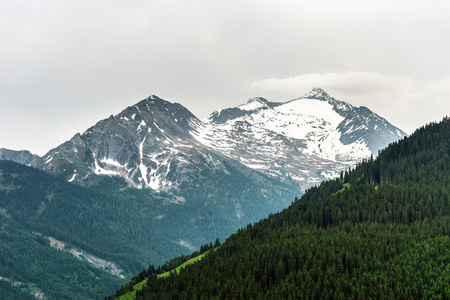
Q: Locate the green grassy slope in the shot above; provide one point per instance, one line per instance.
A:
(132, 293)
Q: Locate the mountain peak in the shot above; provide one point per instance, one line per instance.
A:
(318, 93)
(257, 99)
(151, 99)
(153, 104)
(255, 103)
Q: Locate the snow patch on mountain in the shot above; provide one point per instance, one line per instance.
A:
(142, 124)
(73, 177)
(103, 171)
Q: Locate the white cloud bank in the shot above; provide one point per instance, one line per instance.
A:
(404, 101)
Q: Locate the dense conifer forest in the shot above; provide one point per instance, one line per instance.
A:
(381, 230)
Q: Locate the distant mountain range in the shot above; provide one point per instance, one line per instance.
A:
(161, 145)
(23, 157)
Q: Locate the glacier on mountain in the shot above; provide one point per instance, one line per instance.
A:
(301, 139)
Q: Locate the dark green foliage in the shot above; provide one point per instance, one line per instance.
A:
(385, 234)
(28, 261)
(9, 291)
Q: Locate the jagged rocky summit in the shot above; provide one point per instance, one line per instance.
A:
(161, 145)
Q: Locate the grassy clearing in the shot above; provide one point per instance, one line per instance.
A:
(189, 262)
(346, 186)
(132, 294)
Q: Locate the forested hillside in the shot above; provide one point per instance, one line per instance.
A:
(30, 268)
(127, 227)
(381, 230)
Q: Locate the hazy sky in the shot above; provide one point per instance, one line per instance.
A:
(64, 65)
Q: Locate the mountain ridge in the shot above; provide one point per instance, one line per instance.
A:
(151, 143)
(312, 135)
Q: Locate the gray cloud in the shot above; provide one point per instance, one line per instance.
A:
(67, 64)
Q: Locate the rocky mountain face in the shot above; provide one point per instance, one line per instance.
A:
(23, 157)
(148, 144)
(161, 145)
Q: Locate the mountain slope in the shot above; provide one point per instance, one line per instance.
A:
(380, 231)
(196, 194)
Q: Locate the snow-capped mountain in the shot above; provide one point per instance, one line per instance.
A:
(309, 139)
(161, 145)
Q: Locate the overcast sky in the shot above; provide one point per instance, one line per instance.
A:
(64, 65)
